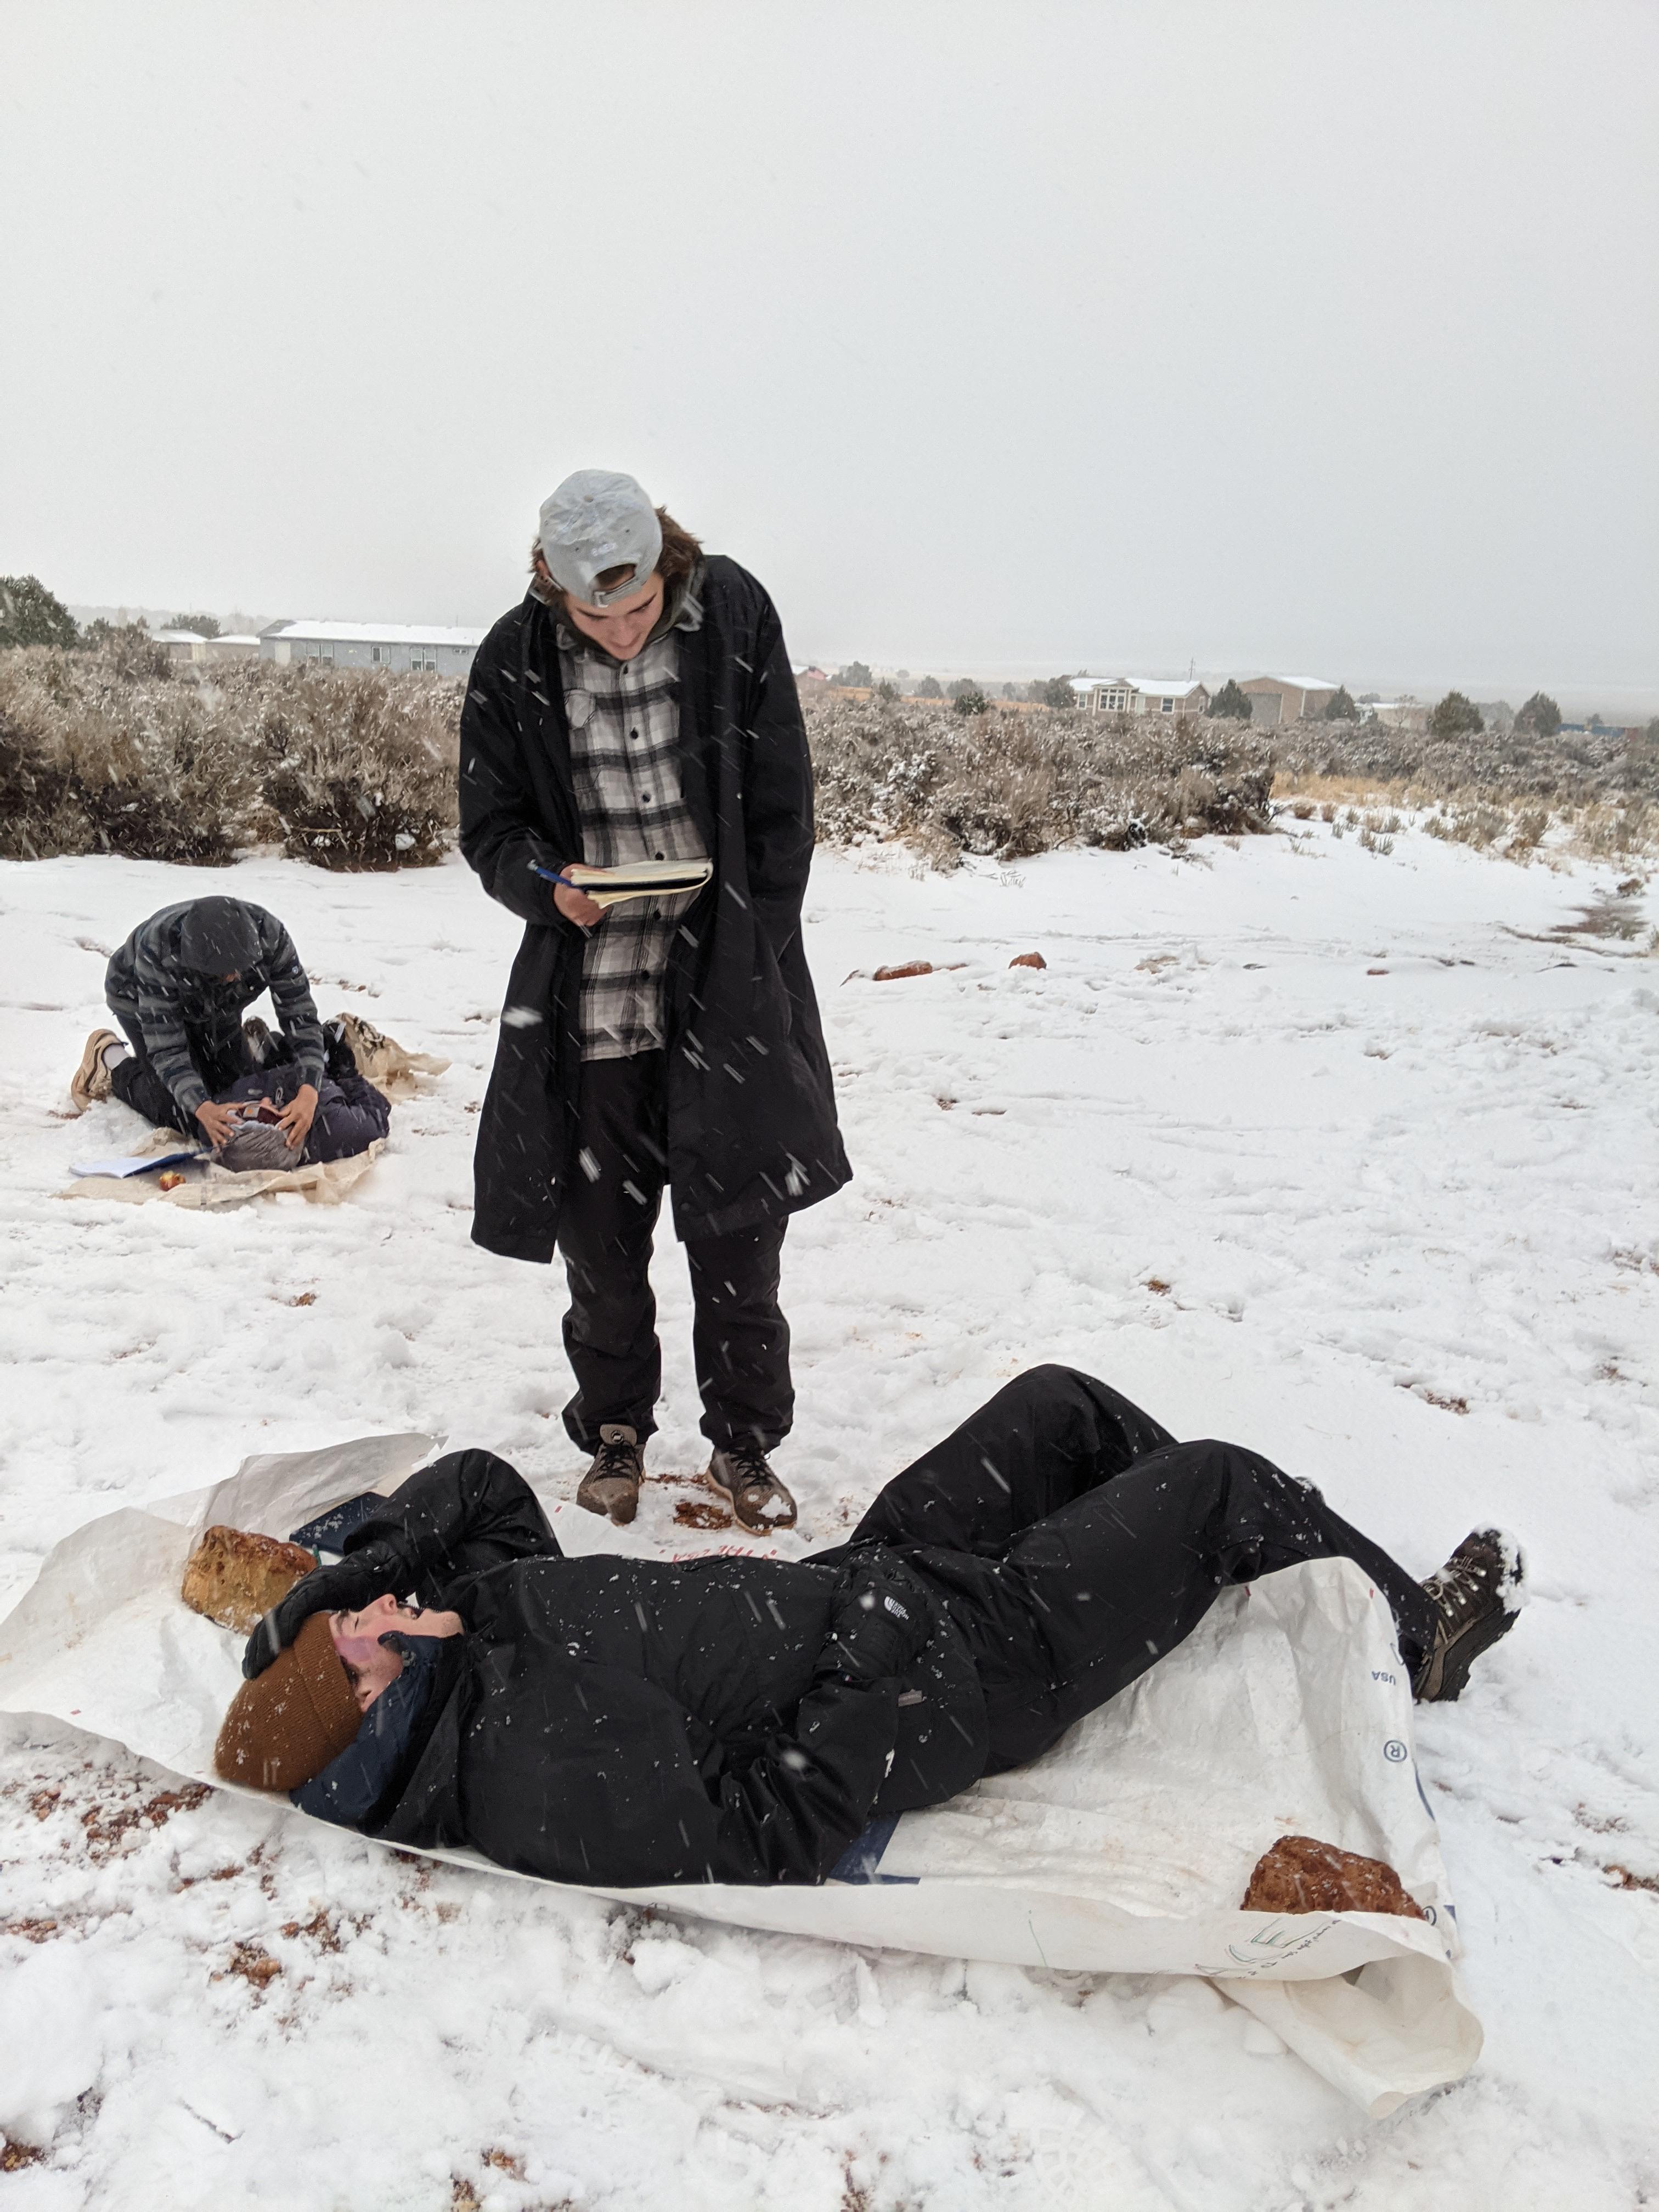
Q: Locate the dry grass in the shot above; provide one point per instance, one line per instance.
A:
(1594, 795)
(120, 751)
(1011, 784)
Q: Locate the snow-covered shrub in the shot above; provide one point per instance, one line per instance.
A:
(139, 766)
(119, 751)
(357, 766)
(1014, 784)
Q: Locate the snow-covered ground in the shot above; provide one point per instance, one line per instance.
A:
(1346, 1155)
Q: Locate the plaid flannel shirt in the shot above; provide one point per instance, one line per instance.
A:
(625, 720)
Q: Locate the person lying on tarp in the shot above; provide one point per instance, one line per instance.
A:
(623, 1722)
(350, 1114)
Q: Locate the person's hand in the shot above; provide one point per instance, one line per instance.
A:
(377, 1570)
(295, 1117)
(881, 1624)
(576, 906)
(217, 1121)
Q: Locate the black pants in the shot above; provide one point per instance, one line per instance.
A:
(218, 1055)
(739, 1338)
(1076, 1542)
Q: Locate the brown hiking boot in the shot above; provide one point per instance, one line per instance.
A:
(757, 1498)
(1476, 1598)
(611, 1483)
(90, 1082)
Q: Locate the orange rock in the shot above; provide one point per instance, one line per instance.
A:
(235, 1576)
(1301, 1875)
(1028, 960)
(909, 967)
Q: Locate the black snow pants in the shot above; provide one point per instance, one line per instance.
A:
(607, 1220)
(1075, 1543)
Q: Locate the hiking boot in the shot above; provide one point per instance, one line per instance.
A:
(756, 1496)
(1476, 1596)
(260, 1044)
(90, 1084)
(611, 1483)
(338, 1058)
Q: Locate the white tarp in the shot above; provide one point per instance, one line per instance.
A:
(1126, 1850)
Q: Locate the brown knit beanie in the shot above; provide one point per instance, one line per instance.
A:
(285, 1726)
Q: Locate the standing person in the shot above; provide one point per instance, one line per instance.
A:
(638, 705)
(178, 987)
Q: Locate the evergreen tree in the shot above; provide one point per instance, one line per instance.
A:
(203, 625)
(1455, 716)
(970, 699)
(930, 688)
(31, 615)
(1057, 692)
(1340, 707)
(1231, 701)
(1540, 715)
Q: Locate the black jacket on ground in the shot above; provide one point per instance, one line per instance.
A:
(751, 1113)
(629, 1722)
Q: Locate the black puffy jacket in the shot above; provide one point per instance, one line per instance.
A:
(751, 1110)
(630, 1723)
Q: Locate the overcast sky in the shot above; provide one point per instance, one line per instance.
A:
(1006, 338)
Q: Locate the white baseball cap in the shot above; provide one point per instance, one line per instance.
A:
(597, 520)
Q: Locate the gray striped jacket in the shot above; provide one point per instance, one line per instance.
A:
(146, 982)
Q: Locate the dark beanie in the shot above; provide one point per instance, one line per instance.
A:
(217, 938)
(286, 1725)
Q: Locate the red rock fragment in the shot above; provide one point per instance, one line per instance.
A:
(1301, 1875)
(1028, 960)
(909, 967)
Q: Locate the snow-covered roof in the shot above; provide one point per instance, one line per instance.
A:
(178, 637)
(334, 632)
(1167, 687)
(1297, 683)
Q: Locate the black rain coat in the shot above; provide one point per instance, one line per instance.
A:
(632, 1722)
(751, 1111)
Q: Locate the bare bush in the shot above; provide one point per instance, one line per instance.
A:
(119, 751)
(1013, 784)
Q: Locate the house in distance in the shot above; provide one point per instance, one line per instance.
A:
(1276, 699)
(395, 646)
(1141, 695)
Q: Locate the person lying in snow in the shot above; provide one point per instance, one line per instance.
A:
(346, 1117)
(629, 1722)
(178, 987)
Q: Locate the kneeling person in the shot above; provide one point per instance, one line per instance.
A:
(625, 1722)
(178, 987)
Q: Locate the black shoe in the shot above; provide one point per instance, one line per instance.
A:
(338, 1058)
(757, 1498)
(611, 1483)
(1476, 1597)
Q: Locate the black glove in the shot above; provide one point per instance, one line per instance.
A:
(368, 1573)
(881, 1624)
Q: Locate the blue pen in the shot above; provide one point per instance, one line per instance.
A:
(551, 876)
